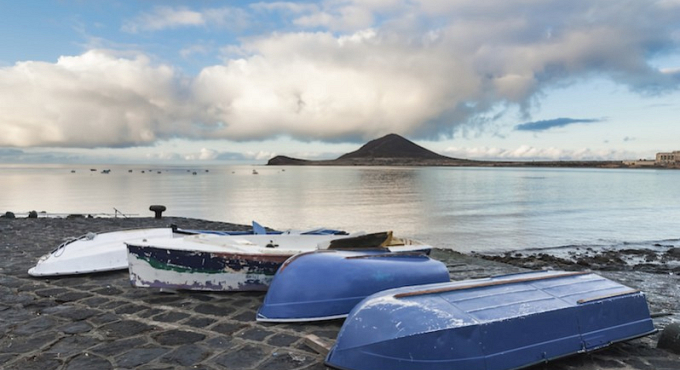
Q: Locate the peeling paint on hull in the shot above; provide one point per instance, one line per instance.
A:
(194, 270)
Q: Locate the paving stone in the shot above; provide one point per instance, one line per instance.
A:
(227, 327)
(75, 328)
(43, 361)
(663, 364)
(51, 292)
(138, 356)
(150, 312)
(246, 357)
(328, 334)
(72, 296)
(164, 299)
(286, 361)
(637, 363)
(126, 328)
(15, 315)
(176, 337)
(129, 309)
(88, 362)
(199, 322)
(171, 317)
(255, 333)
(109, 290)
(247, 316)
(113, 305)
(211, 309)
(282, 340)
(77, 313)
(95, 301)
(187, 355)
(117, 347)
(13, 299)
(7, 357)
(27, 344)
(104, 318)
(72, 345)
(10, 282)
(252, 303)
(221, 343)
(41, 323)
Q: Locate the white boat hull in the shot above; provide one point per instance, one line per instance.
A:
(94, 253)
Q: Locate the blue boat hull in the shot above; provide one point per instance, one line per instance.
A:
(326, 285)
(500, 323)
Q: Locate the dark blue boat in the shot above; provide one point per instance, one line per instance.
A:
(326, 285)
(500, 323)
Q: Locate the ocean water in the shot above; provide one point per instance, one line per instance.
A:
(465, 209)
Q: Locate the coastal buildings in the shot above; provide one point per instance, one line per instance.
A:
(669, 159)
(664, 159)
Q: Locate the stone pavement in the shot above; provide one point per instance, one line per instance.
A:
(99, 321)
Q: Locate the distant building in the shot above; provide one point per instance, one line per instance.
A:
(641, 163)
(664, 159)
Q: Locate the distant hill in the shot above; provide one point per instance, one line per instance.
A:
(394, 150)
(389, 150)
(392, 146)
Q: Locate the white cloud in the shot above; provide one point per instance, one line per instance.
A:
(527, 153)
(95, 99)
(163, 17)
(417, 68)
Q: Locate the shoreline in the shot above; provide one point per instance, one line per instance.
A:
(100, 321)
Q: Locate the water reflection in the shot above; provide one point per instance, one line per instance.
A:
(461, 208)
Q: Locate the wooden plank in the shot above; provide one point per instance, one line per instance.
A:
(586, 300)
(319, 345)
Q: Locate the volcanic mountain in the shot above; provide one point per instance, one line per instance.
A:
(389, 150)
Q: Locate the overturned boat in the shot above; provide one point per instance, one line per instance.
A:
(93, 252)
(238, 263)
(325, 285)
(100, 252)
(500, 323)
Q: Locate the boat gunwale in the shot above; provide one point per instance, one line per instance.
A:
(488, 284)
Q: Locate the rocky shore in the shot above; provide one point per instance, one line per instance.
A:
(99, 321)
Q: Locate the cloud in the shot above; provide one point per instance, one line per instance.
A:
(530, 153)
(557, 122)
(165, 17)
(340, 70)
(96, 99)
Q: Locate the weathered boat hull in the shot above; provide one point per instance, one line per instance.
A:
(501, 323)
(326, 285)
(219, 263)
(153, 267)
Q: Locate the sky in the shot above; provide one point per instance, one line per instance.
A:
(207, 81)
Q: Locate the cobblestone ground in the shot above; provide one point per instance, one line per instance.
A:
(99, 321)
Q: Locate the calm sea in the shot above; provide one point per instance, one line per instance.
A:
(466, 209)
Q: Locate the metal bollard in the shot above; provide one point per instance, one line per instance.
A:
(158, 210)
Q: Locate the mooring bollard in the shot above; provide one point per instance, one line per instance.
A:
(158, 210)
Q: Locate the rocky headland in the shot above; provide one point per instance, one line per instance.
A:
(395, 150)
